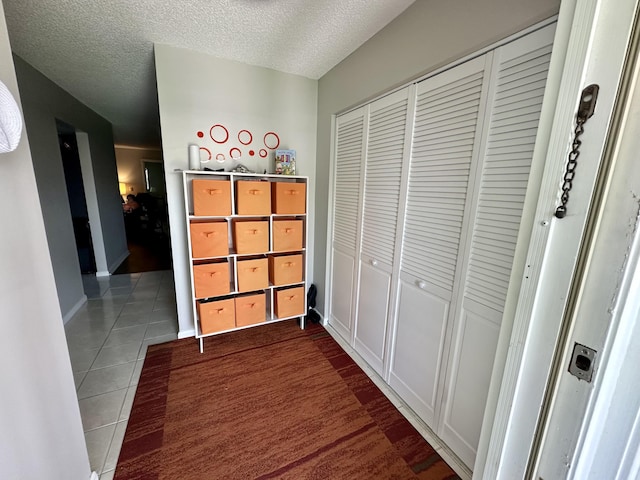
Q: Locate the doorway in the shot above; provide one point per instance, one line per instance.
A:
(77, 198)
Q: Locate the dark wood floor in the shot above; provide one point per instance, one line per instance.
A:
(147, 255)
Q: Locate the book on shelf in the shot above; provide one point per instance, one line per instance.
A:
(286, 162)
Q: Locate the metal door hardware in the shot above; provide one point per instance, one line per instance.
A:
(582, 363)
(586, 107)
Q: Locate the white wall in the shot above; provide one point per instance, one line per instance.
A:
(428, 35)
(40, 428)
(197, 91)
(44, 101)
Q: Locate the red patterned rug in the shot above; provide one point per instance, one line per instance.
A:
(270, 402)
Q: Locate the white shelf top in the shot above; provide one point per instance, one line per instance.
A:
(237, 174)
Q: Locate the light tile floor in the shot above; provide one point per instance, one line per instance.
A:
(107, 340)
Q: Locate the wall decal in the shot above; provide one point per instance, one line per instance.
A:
(219, 133)
(208, 152)
(263, 153)
(245, 137)
(235, 155)
(220, 158)
(200, 134)
(271, 140)
(251, 153)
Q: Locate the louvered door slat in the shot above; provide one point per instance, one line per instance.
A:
(349, 151)
(383, 169)
(444, 134)
(505, 174)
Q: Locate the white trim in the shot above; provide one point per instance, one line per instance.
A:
(114, 266)
(186, 333)
(67, 316)
(94, 476)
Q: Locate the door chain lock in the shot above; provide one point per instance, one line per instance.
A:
(586, 108)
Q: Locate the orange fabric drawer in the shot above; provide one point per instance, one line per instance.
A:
(250, 309)
(209, 239)
(211, 279)
(289, 302)
(251, 236)
(288, 197)
(287, 235)
(217, 316)
(253, 274)
(285, 269)
(253, 198)
(211, 197)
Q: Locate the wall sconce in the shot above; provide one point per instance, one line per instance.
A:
(123, 188)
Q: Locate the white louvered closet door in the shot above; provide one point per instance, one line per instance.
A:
(386, 150)
(348, 172)
(446, 137)
(518, 80)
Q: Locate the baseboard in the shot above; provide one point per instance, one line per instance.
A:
(102, 273)
(186, 334)
(114, 266)
(67, 316)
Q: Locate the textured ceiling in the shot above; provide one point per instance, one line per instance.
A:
(101, 51)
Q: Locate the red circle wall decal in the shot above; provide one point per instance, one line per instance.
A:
(206, 150)
(273, 138)
(245, 137)
(221, 134)
(220, 157)
(263, 152)
(252, 153)
(233, 150)
(200, 134)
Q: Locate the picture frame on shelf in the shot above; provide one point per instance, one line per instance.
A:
(285, 162)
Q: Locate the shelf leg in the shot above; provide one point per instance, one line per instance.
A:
(302, 323)
(201, 345)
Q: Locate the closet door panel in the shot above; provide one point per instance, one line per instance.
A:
(445, 139)
(342, 283)
(383, 176)
(513, 111)
(349, 158)
(419, 348)
(473, 366)
(373, 307)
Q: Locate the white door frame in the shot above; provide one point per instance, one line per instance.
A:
(596, 37)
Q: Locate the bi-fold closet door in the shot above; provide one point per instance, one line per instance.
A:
(429, 185)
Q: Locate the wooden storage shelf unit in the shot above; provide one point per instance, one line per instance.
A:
(247, 237)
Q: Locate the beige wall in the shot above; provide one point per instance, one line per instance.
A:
(129, 164)
(197, 91)
(428, 35)
(40, 428)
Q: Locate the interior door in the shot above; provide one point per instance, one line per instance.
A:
(445, 138)
(383, 176)
(345, 226)
(518, 82)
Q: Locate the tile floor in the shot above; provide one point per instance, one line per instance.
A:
(108, 339)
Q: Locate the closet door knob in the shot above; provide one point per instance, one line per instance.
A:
(421, 284)
(373, 262)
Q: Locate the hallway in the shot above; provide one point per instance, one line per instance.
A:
(107, 340)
